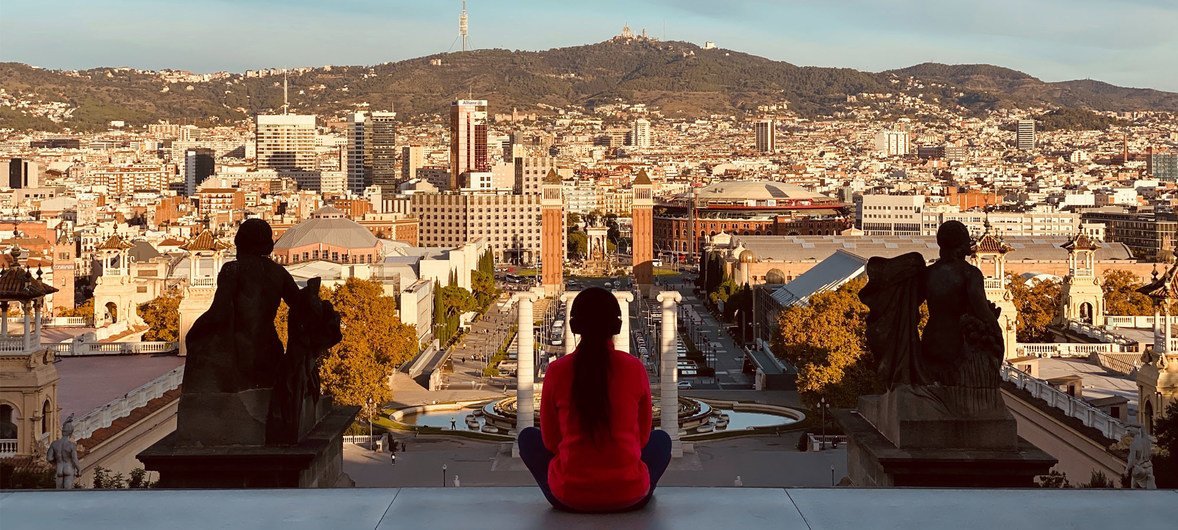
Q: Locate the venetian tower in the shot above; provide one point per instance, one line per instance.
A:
(1083, 299)
(642, 249)
(1157, 378)
(990, 257)
(64, 270)
(206, 255)
(552, 246)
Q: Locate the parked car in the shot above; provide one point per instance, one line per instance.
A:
(684, 384)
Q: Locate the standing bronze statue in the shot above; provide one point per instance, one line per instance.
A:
(957, 360)
(240, 388)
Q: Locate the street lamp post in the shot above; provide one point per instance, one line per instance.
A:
(370, 444)
(822, 407)
(443, 475)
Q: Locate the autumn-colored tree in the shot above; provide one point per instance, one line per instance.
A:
(1121, 296)
(84, 310)
(1038, 307)
(162, 315)
(826, 341)
(374, 343)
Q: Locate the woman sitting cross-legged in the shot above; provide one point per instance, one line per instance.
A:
(595, 451)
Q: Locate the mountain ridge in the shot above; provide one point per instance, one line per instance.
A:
(679, 78)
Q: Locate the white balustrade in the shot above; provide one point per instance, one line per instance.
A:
(202, 282)
(1090, 416)
(7, 447)
(995, 284)
(105, 415)
(70, 349)
(1070, 349)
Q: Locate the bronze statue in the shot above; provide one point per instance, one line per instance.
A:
(962, 346)
(239, 386)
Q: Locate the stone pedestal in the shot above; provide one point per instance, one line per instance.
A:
(315, 462)
(905, 438)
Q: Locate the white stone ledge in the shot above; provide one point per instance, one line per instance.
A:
(525, 508)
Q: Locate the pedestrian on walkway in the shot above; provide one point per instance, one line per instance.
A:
(393, 459)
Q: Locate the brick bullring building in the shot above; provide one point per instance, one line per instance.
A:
(327, 236)
(743, 208)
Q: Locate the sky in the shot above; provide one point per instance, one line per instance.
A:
(1125, 42)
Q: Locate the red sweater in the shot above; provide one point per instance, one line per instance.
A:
(606, 474)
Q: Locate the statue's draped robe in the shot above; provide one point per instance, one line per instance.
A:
(313, 326)
(893, 295)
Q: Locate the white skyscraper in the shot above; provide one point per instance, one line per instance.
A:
(286, 142)
(640, 135)
(892, 143)
(766, 133)
(1026, 135)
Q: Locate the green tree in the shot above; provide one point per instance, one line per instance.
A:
(1166, 452)
(484, 289)
(826, 340)
(1121, 296)
(578, 243)
(162, 315)
(1038, 307)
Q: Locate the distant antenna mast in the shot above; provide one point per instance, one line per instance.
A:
(463, 25)
(285, 95)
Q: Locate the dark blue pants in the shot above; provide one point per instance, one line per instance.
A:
(656, 455)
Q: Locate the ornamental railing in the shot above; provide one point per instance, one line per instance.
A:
(1070, 349)
(8, 447)
(1074, 407)
(79, 349)
(105, 415)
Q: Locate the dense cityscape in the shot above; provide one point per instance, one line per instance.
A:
(452, 239)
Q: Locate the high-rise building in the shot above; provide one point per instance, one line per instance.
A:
(892, 143)
(1162, 164)
(372, 150)
(199, 164)
(530, 172)
(412, 159)
(766, 133)
(23, 174)
(640, 134)
(468, 139)
(1025, 138)
(286, 142)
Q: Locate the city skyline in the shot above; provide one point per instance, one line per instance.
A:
(1124, 43)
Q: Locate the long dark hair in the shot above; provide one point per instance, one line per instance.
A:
(596, 317)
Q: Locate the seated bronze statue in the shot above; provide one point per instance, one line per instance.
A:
(240, 387)
(957, 360)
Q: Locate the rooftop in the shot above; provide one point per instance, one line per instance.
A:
(91, 382)
(524, 507)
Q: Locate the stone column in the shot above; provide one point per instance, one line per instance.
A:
(526, 363)
(622, 340)
(570, 340)
(669, 372)
(25, 307)
(37, 305)
(4, 315)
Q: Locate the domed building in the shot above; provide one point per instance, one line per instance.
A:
(328, 236)
(683, 224)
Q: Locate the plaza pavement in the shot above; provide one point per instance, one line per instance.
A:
(761, 461)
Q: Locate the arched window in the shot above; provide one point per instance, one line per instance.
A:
(46, 410)
(8, 428)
